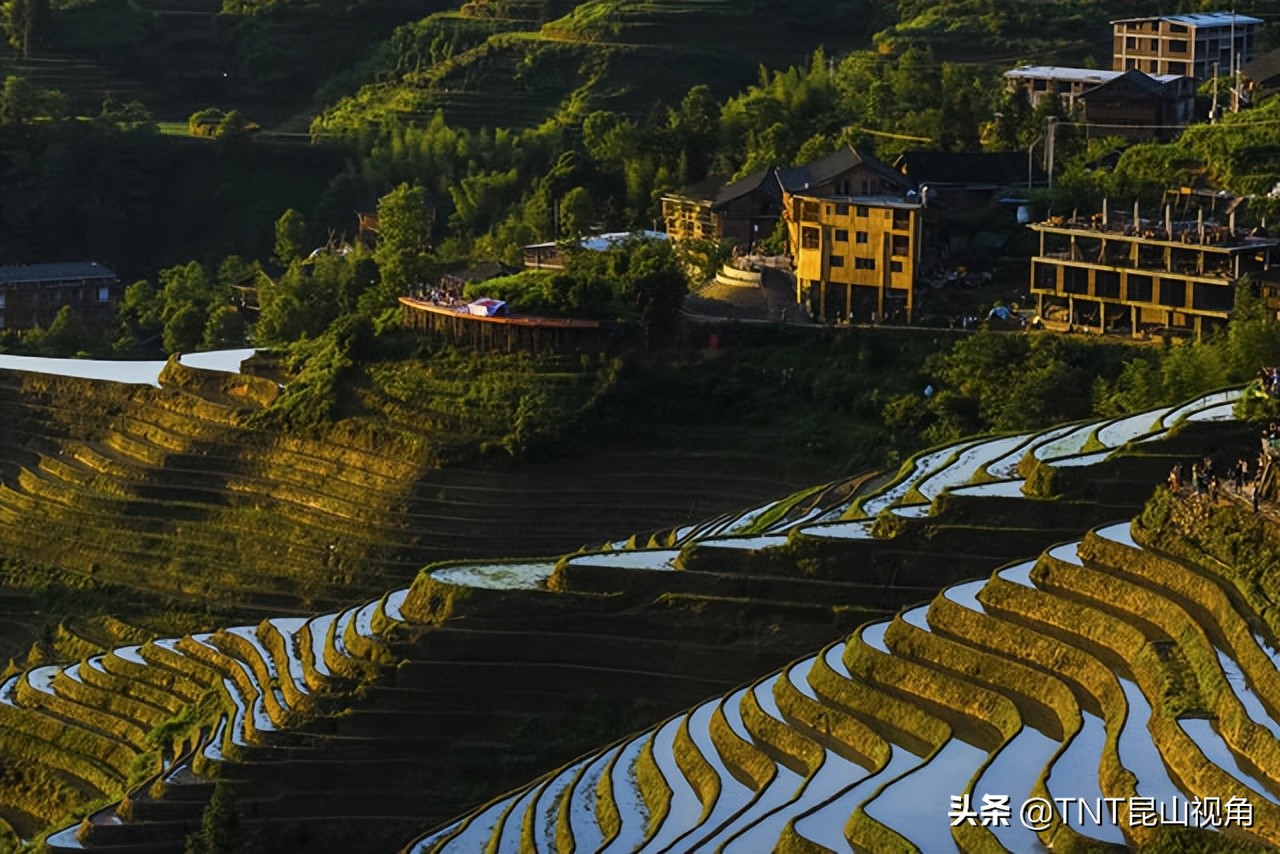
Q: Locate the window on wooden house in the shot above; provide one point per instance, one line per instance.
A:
(809, 238)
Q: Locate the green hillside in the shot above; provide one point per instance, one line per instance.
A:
(507, 64)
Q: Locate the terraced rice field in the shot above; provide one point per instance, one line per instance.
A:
(1027, 682)
(1097, 716)
(129, 372)
(886, 777)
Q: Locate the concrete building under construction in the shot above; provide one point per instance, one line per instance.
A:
(1119, 271)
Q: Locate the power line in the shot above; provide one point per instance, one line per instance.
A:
(1169, 127)
(861, 129)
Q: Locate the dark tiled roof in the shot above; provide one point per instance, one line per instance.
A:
(1132, 83)
(799, 178)
(998, 168)
(705, 190)
(54, 272)
(795, 179)
(1264, 69)
(761, 179)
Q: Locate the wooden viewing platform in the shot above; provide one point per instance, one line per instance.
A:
(508, 333)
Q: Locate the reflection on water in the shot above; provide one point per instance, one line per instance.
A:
(131, 372)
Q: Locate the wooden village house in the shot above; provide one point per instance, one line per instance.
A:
(747, 210)
(857, 258)
(32, 295)
(1130, 104)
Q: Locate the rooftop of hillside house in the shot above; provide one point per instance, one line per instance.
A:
(1198, 19)
(867, 201)
(61, 272)
(1064, 74)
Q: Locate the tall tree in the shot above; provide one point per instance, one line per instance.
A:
(19, 101)
(576, 213)
(403, 249)
(219, 825)
(291, 237)
(697, 128)
(25, 22)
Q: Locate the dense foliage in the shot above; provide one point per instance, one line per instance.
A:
(1237, 154)
(589, 160)
(636, 280)
(1160, 376)
(114, 190)
(998, 382)
(447, 193)
(994, 381)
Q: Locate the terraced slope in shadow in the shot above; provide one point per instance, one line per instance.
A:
(179, 491)
(156, 511)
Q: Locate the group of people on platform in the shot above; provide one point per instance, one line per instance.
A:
(439, 295)
(1204, 481)
(1271, 439)
(1269, 379)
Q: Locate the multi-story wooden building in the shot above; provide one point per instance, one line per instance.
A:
(747, 210)
(856, 257)
(1139, 107)
(32, 295)
(1111, 271)
(687, 214)
(1131, 103)
(1184, 44)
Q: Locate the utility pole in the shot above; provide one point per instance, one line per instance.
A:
(1213, 110)
(1030, 149)
(1235, 88)
(1049, 146)
(1233, 37)
(1235, 94)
